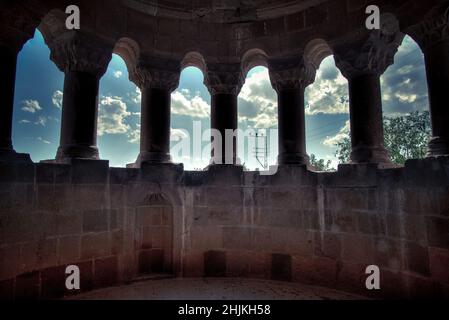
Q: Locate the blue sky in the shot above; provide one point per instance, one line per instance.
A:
(38, 98)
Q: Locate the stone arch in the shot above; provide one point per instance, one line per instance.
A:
(129, 50)
(153, 237)
(316, 51)
(418, 32)
(194, 59)
(253, 58)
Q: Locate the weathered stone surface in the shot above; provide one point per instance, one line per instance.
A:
(53, 282)
(232, 231)
(438, 231)
(238, 264)
(95, 221)
(105, 272)
(95, 245)
(357, 248)
(69, 249)
(300, 225)
(318, 270)
(439, 260)
(7, 290)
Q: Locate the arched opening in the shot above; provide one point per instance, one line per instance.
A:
(257, 114)
(405, 104)
(190, 116)
(118, 127)
(37, 101)
(258, 119)
(327, 114)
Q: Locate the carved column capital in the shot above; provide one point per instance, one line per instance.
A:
(433, 29)
(291, 73)
(371, 53)
(156, 73)
(224, 78)
(75, 51)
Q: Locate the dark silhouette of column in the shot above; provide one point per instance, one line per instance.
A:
(8, 60)
(224, 82)
(433, 37)
(156, 79)
(84, 60)
(362, 61)
(290, 77)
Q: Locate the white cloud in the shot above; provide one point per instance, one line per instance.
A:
(258, 101)
(112, 116)
(43, 140)
(183, 103)
(56, 99)
(406, 98)
(31, 106)
(404, 85)
(329, 93)
(134, 135)
(118, 74)
(24, 121)
(136, 96)
(178, 134)
(42, 121)
(342, 134)
(53, 119)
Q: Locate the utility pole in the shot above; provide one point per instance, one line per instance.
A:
(261, 149)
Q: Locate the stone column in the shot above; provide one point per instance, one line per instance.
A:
(157, 79)
(84, 59)
(17, 27)
(8, 59)
(433, 37)
(290, 77)
(224, 82)
(362, 61)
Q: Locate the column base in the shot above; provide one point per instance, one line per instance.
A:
(151, 158)
(66, 153)
(225, 162)
(376, 155)
(11, 156)
(438, 146)
(224, 174)
(293, 159)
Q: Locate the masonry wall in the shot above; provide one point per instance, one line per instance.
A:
(318, 228)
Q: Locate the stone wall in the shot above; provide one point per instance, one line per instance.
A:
(298, 225)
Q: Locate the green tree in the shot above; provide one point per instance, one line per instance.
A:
(406, 137)
(343, 153)
(320, 164)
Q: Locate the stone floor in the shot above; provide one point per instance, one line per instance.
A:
(216, 289)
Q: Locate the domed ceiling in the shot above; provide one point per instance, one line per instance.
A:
(221, 11)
